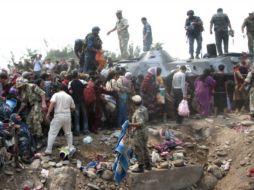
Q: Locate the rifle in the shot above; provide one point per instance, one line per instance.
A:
(14, 132)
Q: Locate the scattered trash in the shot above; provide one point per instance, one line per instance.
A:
(87, 140)
(250, 172)
(155, 157)
(242, 129)
(45, 173)
(93, 186)
(79, 164)
(178, 155)
(183, 109)
(225, 165)
(65, 153)
(116, 134)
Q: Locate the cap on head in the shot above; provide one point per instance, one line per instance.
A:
(96, 29)
(119, 12)
(20, 81)
(136, 98)
(190, 13)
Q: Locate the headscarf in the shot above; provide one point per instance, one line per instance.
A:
(152, 70)
(128, 75)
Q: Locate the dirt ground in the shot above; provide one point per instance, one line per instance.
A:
(217, 134)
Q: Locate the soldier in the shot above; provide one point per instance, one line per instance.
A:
(194, 29)
(33, 96)
(93, 44)
(250, 81)
(221, 24)
(147, 35)
(123, 34)
(249, 24)
(140, 135)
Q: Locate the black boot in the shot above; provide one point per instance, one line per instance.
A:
(139, 169)
(148, 166)
(197, 56)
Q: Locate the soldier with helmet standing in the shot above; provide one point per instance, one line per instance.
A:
(93, 44)
(194, 29)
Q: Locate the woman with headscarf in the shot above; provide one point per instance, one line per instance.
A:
(149, 90)
(26, 142)
(203, 92)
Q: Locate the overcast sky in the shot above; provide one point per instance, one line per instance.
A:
(25, 23)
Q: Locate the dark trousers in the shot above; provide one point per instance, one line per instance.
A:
(90, 63)
(219, 37)
(250, 36)
(178, 97)
(192, 38)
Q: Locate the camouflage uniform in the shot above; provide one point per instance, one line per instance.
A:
(221, 23)
(123, 36)
(249, 24)
(140, 136)
(31, 95)
(250, 80)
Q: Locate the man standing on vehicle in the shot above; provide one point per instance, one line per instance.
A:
(194, 29)
(123, 34)
(147, 35)
(221, 24)
(93, 44)
(249, 24)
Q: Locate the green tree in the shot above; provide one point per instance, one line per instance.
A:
(65, 53)
(157, 46)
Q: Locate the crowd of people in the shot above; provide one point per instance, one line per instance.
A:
(41, 97)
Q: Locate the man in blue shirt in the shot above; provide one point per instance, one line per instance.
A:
(147, 35)
(93, 44)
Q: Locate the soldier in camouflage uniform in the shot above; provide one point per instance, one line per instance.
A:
(249, 24)
(221, 24)
(33, 96)
(250, 81)
(140, 135)
(123, 34)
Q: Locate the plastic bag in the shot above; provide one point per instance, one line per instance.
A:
(87, 140)
(161, 96)
(183, 109)
(228, 104)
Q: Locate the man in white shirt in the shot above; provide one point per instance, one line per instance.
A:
(179, 90)
(49, 66)
(37, 65)
(62, 104)
(123, 35)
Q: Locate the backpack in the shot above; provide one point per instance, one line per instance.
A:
(89, 94)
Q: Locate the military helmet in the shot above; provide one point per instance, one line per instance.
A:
(190, 12)
(96, 29)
